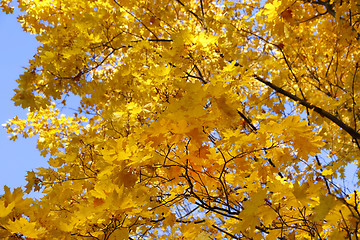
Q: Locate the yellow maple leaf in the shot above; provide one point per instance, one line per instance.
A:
(325, 206)
(300, 192)
(327, 172)
(120, 234)
(5, 210)
(271, 10)
(28, 229)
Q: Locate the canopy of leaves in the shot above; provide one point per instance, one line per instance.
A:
(198, 119)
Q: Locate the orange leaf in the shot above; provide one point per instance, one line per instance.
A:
(98, 202)
(287, 15)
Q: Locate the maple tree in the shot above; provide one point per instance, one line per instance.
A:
(198, 119)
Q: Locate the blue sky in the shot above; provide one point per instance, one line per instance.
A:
(16, 48)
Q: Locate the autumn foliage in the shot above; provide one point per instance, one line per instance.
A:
(197, 119)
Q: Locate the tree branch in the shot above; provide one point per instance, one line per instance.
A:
(321, 111)
(225, 232)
